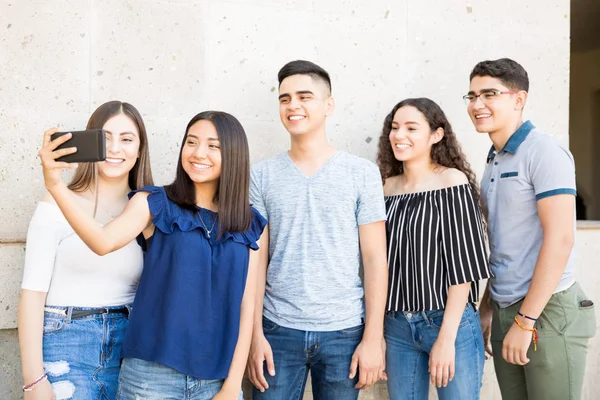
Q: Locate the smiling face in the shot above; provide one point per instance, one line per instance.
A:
(411, 136)
(201, 153)
(498, 108)
(304, 104)
(122, 147)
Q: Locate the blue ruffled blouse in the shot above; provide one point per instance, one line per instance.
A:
(186, 312)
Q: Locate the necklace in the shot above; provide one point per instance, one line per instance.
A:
(208, 231)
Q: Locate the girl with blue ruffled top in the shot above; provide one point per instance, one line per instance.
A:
(190, 328)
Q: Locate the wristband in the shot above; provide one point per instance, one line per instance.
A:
(534, 334)
(526, 316)
(30, 387)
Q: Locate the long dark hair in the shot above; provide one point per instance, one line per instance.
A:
(447, 152)
(233, 190)
(141, 173)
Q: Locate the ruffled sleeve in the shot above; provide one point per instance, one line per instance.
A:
(251, 236)
(159, 207)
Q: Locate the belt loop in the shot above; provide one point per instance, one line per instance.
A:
(69, 311)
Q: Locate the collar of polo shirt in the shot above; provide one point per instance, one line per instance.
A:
(514, 141)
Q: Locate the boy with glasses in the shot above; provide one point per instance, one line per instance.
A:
(540, 319)
(326, 218)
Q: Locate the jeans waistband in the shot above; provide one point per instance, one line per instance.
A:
(424, 315)
(82, 312)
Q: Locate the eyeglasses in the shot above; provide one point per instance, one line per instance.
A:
(487, 96)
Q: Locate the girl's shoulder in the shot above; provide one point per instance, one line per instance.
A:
(47, 209)
(391, 184)
(452, 177)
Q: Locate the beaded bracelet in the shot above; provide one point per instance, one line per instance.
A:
(30, 387)
(534, 334)
(527, 316)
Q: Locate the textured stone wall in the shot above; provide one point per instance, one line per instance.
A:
(173, 59)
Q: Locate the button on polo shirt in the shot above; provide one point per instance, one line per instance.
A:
(531, 166)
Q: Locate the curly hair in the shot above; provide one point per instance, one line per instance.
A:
(447, 152)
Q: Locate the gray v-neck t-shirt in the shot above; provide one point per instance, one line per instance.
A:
(314, 273)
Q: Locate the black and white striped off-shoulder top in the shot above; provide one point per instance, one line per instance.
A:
(435, 239)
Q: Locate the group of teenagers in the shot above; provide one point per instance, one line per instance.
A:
(313, 261)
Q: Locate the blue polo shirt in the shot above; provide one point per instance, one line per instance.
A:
(531, 166)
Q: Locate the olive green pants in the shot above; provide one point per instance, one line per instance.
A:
(556, 370)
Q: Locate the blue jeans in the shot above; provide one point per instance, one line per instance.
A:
(410, 337)
(82, 357)
(327, 355)
(148, 380)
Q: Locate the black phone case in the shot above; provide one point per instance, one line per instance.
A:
(91, 146)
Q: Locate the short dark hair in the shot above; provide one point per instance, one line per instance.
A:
(511, 73)
(233, 190)
(303, 67)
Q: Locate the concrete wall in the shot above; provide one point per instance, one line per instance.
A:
(172, 59)
(584, 141)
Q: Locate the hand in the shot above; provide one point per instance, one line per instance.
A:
(384, 352)
(41, 391)
(260, 352)
(369, 361)
(441, 361)
(226, 393)
(48, 155)
(516, 343)
(485, 320)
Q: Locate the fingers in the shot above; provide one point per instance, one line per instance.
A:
(366, 379)
(270, 362)
(353, 367)
(384, 349)
(488, 348)
(62, 152)
(523, 357)
(445, 375)
(49, 153)
(441, 374)
(515, 356)
(256, 375)
(47, 135)
(53, 144)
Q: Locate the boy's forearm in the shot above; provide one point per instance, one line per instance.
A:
(376, 281)
(550, 266)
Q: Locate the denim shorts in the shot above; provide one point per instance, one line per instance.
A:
(148, 380)
(82, 356)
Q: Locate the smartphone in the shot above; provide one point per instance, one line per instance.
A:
(91, 146)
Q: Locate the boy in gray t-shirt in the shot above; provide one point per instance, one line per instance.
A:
(326, 218)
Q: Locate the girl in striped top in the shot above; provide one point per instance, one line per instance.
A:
(436, 255)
